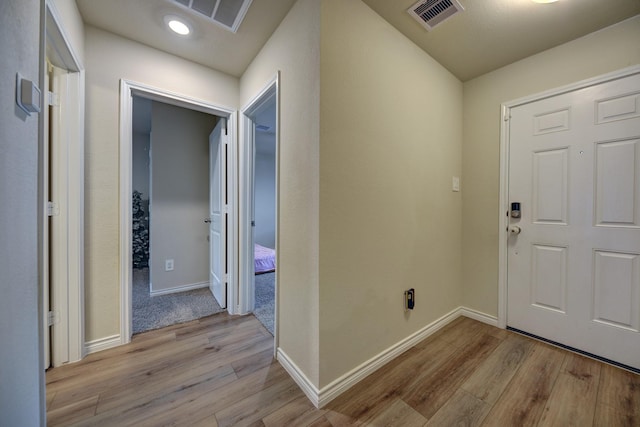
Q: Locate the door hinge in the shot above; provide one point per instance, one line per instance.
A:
(506, 116)
(53, 317)
(52, 209)
(53, 99)
(225, 209)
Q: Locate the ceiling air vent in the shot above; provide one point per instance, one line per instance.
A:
(430, 13)
(227, 13)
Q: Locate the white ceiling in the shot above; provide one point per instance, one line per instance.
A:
(490, 34)
(209, 45)
(487, 35)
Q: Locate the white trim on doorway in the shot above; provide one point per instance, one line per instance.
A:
(128, 89)
(68, 289)
(246, 149)
(504, 171)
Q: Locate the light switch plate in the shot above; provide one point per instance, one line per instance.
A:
(27, 95)
(455, 184)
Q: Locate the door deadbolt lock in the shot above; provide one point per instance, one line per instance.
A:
(515, 210)
(207, 220)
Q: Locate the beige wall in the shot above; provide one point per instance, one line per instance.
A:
(73, 27)
(294, 50)
(179, 196)
(264, 232)
(598, 53)
(110, 58)
(391, 137)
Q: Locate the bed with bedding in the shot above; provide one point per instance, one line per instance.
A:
(265, 259)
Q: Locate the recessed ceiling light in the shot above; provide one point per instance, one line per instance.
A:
(177, 25)
(544, 1)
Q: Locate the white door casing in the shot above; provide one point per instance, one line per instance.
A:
(246, 154)
(218, 212)
(64, 272)
(46, 326)
(573, 272)
(129, 88)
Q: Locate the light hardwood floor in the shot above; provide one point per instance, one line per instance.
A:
(220, 371)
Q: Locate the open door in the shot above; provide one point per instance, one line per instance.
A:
(218, 212)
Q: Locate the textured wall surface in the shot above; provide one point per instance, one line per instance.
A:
(294, 50)
(390, 142)
(21, 367)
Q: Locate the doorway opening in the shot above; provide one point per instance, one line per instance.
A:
(264, 214)
(178, 210)
(171, 251)
(259, 206)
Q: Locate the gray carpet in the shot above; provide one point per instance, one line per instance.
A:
(164, 310)
(265, 297)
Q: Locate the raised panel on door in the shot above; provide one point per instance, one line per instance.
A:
(549, 277)
(617, 197)
(551, 121)
(616, 289)
(622, 107)
(550, 179)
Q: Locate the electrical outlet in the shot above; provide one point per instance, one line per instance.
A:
(168, 265)
(409, 299)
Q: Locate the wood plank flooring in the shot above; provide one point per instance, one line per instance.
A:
(219, 371)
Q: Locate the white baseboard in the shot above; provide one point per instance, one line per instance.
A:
(102, 344)
(181, 288)
(351, 378)
(310, 390)
(321, 397)
(479, 316)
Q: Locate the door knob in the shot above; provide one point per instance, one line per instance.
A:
(207, 220)
(514, 229)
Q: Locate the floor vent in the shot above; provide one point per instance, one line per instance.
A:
(227, 13)
(431, 13)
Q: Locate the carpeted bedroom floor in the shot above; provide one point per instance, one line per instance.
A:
(164, 310)
(265, 296)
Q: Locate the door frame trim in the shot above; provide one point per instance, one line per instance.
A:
(128, 88)
(269, 91)
(503, 221)
(68, 341)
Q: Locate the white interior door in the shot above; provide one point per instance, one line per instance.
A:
(59, 218)
(574, 269)
(218, 212)
(46, 327)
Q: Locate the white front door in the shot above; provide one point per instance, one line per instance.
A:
(574, 269)
(218, 212)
